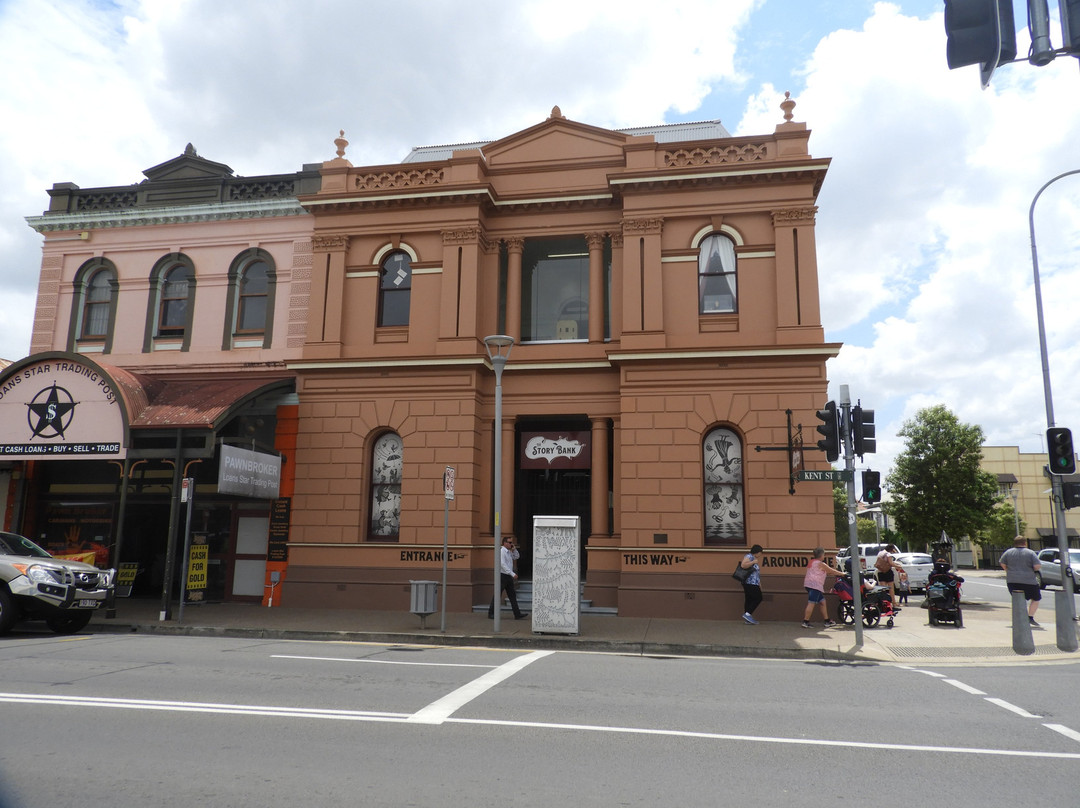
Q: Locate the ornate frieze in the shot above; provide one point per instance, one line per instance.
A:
(650, 226)
(408, 178)
(794, 216)
(329, 243)
(715, 155)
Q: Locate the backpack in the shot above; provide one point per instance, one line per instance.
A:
(883, 563)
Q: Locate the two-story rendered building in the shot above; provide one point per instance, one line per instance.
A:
(659, 286)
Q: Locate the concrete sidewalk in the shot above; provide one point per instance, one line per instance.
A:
(985, 638)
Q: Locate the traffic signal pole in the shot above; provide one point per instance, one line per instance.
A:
(853, 531)
(1066, 628)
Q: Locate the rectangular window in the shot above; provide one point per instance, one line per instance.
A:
(555, 289)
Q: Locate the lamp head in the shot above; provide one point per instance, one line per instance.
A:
(498, 346)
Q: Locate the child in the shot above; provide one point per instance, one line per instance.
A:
(902, 587)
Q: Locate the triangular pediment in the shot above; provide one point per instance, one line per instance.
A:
(556, 140)
(188, 166)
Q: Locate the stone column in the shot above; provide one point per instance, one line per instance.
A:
(596, 286)
(514, 248)
(599, 477)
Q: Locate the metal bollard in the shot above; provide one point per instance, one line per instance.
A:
(1066, 628)
(1021, 626)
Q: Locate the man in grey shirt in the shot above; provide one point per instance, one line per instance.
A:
(1020, 564)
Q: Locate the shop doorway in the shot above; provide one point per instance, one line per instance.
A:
(556, 489)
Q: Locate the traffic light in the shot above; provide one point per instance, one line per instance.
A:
(830, 428)
(980, 32)
(862, 431)
(1070, 25)
(871, 487)
(1070, 494)
(1059, 445)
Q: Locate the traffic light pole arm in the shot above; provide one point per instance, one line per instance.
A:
(1066, 640)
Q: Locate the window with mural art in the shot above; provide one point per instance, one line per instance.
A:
(725, 513)
(386, 465)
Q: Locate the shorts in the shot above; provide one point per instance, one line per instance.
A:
(886, 577)
(815, 595)
(1031, 591)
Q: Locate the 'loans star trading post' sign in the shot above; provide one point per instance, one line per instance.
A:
(249, 474)
(59, 408)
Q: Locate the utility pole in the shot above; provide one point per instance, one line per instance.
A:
(853, 530)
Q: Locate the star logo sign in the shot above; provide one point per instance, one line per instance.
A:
(49, 413)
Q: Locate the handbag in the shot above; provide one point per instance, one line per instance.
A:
(741, 573)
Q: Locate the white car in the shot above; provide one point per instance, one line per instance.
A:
(918, 567)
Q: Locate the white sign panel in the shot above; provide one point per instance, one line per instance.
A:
(249, 474)
(62, 408)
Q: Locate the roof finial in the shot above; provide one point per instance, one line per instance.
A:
(341, 143)
(556, 112)
(787, 105)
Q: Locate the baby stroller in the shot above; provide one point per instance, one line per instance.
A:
(943, 596)
(876, 603)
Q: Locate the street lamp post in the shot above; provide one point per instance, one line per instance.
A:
(498, 351)
(1066, 630)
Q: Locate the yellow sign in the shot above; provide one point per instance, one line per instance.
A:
(197, 561)
(125, 576)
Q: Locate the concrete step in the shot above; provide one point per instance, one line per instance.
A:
(524, 591)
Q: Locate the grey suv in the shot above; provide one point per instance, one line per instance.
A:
(36, 586)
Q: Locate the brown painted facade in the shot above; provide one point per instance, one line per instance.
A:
(625, 350)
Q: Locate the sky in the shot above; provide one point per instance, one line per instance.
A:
(924, 248)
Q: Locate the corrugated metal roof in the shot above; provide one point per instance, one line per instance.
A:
(199, 404)
(664, 133)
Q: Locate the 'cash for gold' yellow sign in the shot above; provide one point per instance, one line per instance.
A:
(197, 561)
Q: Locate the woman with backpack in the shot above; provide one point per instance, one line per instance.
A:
(885, 567)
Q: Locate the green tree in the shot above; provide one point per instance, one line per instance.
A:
(1001, 529)
(936, 483)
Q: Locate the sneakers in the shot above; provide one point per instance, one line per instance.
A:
(1032, 621)
(830, 623)
(749, 618)
(807, 624)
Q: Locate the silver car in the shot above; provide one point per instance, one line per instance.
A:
(918, 567)
(1049, 573)
(35, 585)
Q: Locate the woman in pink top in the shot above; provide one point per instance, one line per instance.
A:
(814, 581)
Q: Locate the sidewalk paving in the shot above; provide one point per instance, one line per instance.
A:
(986, 636)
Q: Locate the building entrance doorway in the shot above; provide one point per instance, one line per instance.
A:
(557, 488)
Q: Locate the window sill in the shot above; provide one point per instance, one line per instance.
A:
(713, 323)
(397, 333)
(90, 347)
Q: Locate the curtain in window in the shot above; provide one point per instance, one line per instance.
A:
(716, 274)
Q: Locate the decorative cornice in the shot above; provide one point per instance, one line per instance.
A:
(653, 226)
(147, 217)
(794, 215)
(332, 243)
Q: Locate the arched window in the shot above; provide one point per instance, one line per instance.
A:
(386, 466)
(96, 305)
(173, 301)
(395, 288)
(725, 511)
(251, 299)
(716, 275)
(93, 309)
